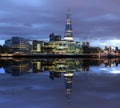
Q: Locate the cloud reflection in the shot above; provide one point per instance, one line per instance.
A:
(2, 71)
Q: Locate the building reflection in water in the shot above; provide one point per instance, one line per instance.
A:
(68, 84)
(37, 66)
(18, 67)
(55, 67)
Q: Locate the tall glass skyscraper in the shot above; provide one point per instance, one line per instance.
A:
(68, 28)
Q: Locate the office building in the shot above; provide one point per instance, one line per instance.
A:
(54, 37)
(68, 28)
(19, 44)
(8, 43)
(37, 46)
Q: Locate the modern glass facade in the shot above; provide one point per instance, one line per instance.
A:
(19, 44)
(63, 47)
(68, 28)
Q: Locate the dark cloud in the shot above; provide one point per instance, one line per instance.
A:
(41, 17)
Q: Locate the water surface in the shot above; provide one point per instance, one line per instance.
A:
(59, 83)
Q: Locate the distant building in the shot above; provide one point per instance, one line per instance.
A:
(8, 43)
(94, 50)
(78, 48)
(60, 47)
(85, 44)
(54, 37)
(37, 46)
(19, 44)
(108, 48)
(109, 51)
(68, 28)
(63, 47)
(90, 50)
(117, 52)
(7, 46)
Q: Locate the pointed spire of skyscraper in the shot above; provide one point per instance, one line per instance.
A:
(68, 28)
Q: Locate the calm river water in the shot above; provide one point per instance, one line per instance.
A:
(59, 83)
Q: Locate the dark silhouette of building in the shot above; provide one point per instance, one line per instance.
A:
(117, 52)
(54, 37)
(90, 50)
(8, 43)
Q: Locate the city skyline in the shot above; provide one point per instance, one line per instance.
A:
(98, 21)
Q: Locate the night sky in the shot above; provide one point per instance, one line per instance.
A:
(99, 21)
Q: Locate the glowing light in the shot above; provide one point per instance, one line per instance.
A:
(68, 74)
(69, 31)
(68, 38)
(68, 21)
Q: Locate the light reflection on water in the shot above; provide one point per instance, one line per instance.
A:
(60, 83)
(17, 67)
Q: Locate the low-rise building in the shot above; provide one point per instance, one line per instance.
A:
(37, 46)
(90, 50)
(117, 52)
(63, 47)
(54, 37)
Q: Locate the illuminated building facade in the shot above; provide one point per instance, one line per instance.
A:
(58, 46)
(63, 47)
(37, 46)
(68, 28)
(19, 44)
